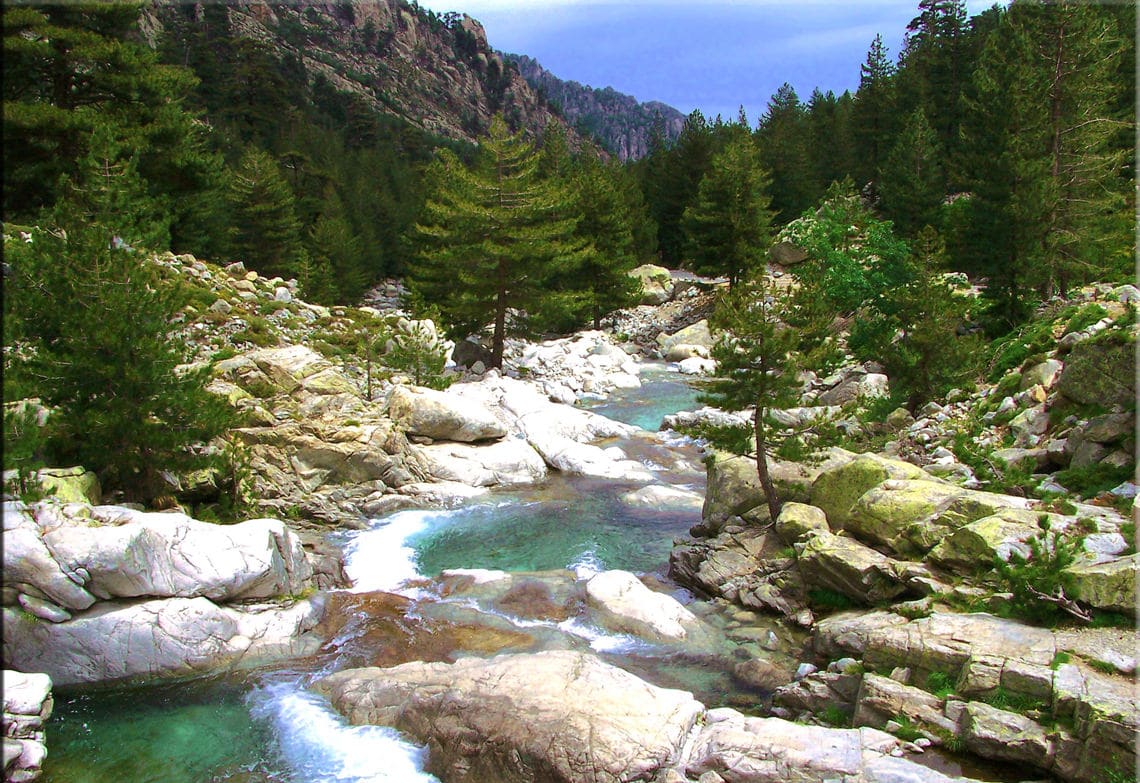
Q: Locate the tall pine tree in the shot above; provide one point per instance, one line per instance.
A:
(490, 236)
(911, 180)
(266, 231)
(729, 226)
(1047, 167)
(72, 67)
(874, 111)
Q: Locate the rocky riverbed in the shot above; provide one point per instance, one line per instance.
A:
(492, 671)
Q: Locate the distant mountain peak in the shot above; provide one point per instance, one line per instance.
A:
(617, 121)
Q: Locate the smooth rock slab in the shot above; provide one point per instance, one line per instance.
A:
(130, 554)
(770, 750)
(557, 716)
(662, 497)
(508, 461)
(628, 606)
(442, 416)
(157, 638)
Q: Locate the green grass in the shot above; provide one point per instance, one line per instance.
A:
(1104, 666)
(833, 716)
(940, 684)
(907, 731)
(823, 599)
(1085, 317)
(1003, 699)
(1059, 659)
(1091, 480)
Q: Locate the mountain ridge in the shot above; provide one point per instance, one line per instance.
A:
(437, 72)
(618, 121)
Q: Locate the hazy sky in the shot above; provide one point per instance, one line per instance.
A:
(691, 54)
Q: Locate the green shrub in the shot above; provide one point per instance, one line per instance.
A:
(24, 444)
(420, 355)
(1091, 480)
(907, 731)
(98, 318)
(1039, 584)
(834, 716)
(1085, 317)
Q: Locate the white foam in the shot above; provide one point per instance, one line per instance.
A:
(380, 559)
(320, 746)
(599, 640)
(480, 575)
(588, 564)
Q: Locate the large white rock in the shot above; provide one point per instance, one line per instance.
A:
(664, 497)
(158, 638)
(556, 716)
(770, 750)
(122, 553)
(567, 717)
(508, 461)
(29, 568)
(442, 416)
(626, 605)
(27, 706)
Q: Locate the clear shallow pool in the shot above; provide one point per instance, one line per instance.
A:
(185, 733)
(663, 391)
(567, 523)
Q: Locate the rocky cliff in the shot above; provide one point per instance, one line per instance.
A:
(437, 72)
(617, 121)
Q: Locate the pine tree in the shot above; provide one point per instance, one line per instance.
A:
(1047, 170)
(490, 237)
(336, 259)
(266, 231)
(70, 68)
(756, 359)
(911, 181)
(92, 317)
(782, 138)
(830, 139)
(729, 227)
(873, 111)
(606, 227)
(676, 185)
(932, 71)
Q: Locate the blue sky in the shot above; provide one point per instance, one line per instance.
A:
(714, 56)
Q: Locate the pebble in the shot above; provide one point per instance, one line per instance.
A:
(805, 670)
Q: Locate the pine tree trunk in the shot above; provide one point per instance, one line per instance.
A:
(499, 339)
(762, 464)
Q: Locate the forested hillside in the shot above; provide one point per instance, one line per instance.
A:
(1009, 133)
(316, 142)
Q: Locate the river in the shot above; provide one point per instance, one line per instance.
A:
(426, 586)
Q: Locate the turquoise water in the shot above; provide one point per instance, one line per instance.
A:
(662, 392)
(188, 733)
(588, 526)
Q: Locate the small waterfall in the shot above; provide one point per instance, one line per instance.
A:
(380, 558)
(319, 746)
